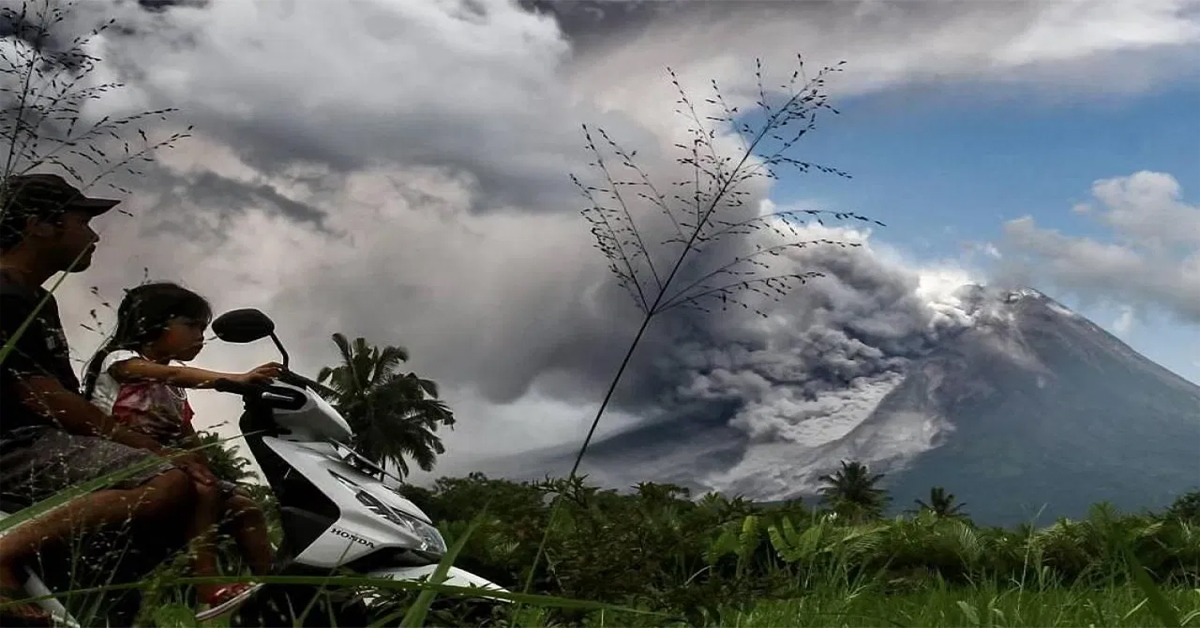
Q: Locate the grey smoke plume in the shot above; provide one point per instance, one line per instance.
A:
(828, 348)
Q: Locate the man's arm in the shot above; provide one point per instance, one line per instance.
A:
(48, 397)
(77, 415)
(28, 370)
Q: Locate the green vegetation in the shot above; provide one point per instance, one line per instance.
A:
(724, 561)
(730, 562)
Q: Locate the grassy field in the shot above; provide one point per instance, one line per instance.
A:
(935, 606)
(726, 562)
(866, 607)
(1118, 606)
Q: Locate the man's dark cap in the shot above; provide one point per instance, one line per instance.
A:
(35, 195)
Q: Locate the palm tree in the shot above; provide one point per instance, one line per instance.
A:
(394, 416)
(941, 504)
(851, 492)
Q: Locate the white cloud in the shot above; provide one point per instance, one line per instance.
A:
(1058, 48)
(1147, 209)
(987, 249)
(1153, 259)
(1124, 322)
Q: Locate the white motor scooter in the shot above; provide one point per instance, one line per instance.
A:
(336, 511)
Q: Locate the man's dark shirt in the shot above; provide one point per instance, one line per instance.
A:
(41, 350)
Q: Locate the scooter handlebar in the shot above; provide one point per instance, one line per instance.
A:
(237, 388)
(275, 395)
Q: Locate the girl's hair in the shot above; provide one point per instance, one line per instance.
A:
(143, 316)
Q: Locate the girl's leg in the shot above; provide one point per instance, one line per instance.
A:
(202, 530)
(250, 531)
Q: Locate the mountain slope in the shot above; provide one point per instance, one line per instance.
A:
(1077, 418)
(1029, 408)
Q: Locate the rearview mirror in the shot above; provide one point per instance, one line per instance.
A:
(243, 326)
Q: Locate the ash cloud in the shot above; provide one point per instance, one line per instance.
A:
(827, 353)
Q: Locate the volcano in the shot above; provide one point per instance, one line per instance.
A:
(1029, 412)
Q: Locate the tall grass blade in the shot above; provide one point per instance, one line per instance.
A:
(416, 614)
(543, 601)
(1155, 599)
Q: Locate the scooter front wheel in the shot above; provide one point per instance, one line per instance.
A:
(448, 611)
(300, 605)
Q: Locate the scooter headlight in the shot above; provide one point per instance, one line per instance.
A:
(431, 539)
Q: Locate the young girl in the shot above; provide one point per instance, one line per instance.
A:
(133, 379)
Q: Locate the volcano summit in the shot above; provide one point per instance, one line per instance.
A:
(1023, 407)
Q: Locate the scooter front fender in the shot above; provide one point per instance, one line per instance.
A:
(455, 577)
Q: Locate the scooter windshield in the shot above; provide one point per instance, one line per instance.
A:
(351, 456)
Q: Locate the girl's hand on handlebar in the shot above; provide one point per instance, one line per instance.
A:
(259, 375)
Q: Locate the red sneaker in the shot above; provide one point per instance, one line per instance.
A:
(226, 599)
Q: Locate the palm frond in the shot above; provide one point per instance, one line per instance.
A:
(395, 416)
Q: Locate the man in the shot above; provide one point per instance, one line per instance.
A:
(52, 438)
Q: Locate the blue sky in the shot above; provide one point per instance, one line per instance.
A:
(944, 170)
